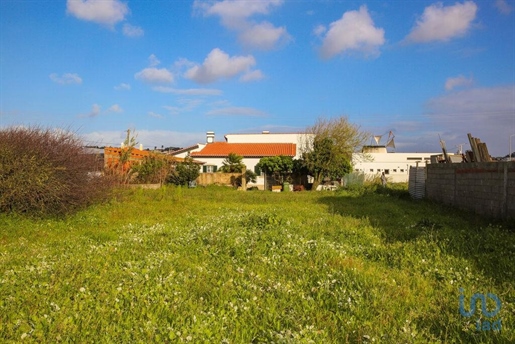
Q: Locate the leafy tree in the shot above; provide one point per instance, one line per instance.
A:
(250, 177)
(279, 166)
(233, 164)
(153, 169)
(185, 172)
(328, 147)
(324, 161)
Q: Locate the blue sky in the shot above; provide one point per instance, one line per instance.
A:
(173, 70)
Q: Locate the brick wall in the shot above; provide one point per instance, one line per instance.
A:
(488, 188)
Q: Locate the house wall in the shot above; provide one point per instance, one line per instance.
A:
(395, 165)
(263, 138)
(487, 188)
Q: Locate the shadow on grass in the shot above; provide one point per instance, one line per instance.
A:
(487, 244)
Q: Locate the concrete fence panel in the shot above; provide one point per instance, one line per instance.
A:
(488, 188)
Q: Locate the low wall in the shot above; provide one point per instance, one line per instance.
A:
(487, 188)
(144, 186)
(217, 178)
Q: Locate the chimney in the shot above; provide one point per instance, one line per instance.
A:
(210, 137)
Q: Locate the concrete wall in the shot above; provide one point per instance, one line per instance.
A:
(487, 188)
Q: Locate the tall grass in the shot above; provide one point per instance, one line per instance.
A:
(217, 265)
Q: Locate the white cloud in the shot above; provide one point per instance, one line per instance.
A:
(183, 63)
(319, 30)
(154, 75)
(153, 61)
(148, 138)
(95, 111)
(503, 6)
(123, 87)
(252, 76)
(188, 91)
(263, 36)
(155, 115)
(487, 113)
(233, 11)
(479, 102)
(66, 79)
(106, 12)
(236, 15)
(115, 108)
(355, 31)
(442, 23)
(459, 81)
(185, 105)
(132, 31)
(218, 65)
(237, 111)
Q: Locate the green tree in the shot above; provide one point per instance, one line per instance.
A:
(185, 172)
(233, 164)
(153, 169)
(250, 177)
(328, 147)
(278, 166)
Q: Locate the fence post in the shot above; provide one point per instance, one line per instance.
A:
(243, 180)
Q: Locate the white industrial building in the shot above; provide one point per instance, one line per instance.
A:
(374, 160)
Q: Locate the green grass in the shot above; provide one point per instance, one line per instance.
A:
(216, 265)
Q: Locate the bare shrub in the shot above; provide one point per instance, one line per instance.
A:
(46, 172)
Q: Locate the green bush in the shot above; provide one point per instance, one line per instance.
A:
(184, 173)
(46, 172)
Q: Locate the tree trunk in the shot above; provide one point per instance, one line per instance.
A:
(317, 179)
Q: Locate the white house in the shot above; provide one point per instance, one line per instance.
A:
(299, 139)
(252, 147)
(184, 152)
(374, 160)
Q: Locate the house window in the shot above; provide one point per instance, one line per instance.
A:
(371, 170)
(209, 168)
(386, 171)
(402, 170)
(394, 170)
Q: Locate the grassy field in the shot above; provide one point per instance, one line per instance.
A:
(214, 265)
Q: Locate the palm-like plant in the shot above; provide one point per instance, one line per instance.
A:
(233, 164)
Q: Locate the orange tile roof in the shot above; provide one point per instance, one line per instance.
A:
(222, 149)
